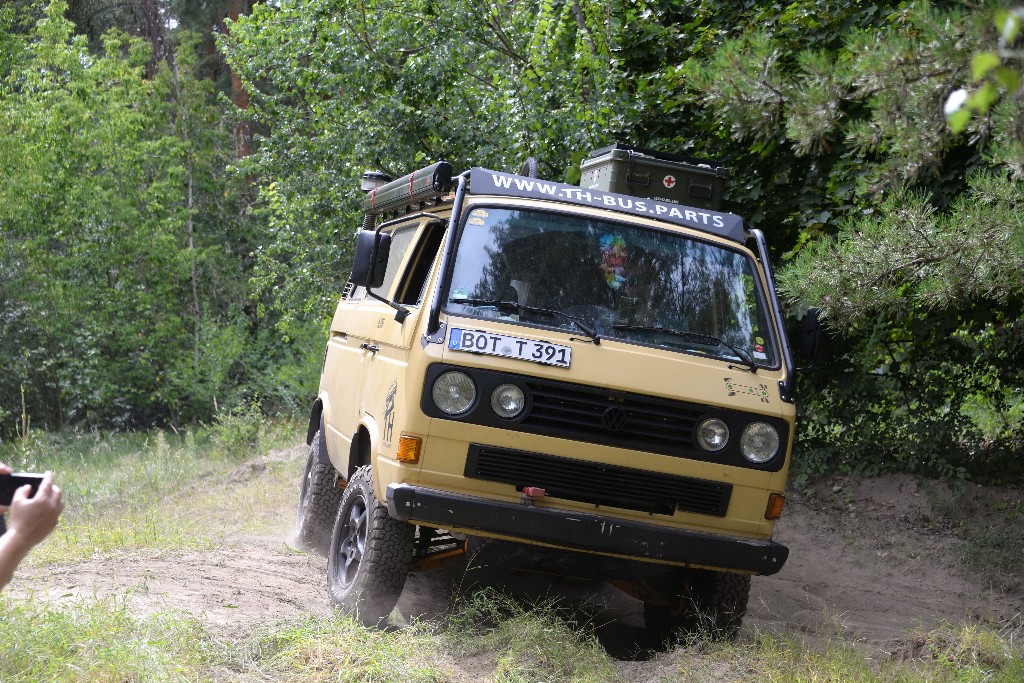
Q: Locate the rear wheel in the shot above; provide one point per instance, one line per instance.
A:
(370, 553)
(710, 602)
(318, 501)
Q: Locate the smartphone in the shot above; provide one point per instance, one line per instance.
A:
(9, 483)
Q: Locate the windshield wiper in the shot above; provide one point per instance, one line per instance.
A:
(696, 338)
(585, 325)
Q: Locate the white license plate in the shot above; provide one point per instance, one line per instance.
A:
(493, 344)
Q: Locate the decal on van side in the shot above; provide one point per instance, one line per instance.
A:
(760, 391)
(389, 413)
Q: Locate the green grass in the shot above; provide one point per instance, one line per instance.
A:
(338, 649)
(948, 654)
(145, 490)
(99, 641)
(527, 643)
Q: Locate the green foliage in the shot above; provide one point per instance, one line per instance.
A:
(924, 392)
(865, 101)
(242, 429)
(909, 255)
(123, 271)
(338, 88)
(909, 236)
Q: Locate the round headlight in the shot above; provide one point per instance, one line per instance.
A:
(712, 435)
(454, 392)
(759, 442)
(508, 400)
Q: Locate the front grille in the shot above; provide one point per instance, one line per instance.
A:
(608, 417)
(597, 484)
(627, 420)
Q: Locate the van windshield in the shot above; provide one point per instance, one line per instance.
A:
(624, 282)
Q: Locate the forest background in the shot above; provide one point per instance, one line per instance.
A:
(179, 190)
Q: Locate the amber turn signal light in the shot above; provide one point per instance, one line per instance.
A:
(409, 449)
(775, 503)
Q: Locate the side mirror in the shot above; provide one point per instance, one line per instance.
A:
(810, 340)
(371, 258)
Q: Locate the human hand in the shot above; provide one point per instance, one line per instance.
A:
(32, 519)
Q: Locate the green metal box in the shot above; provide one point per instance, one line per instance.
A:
(655, 175)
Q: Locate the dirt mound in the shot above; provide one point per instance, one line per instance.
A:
(870, 582)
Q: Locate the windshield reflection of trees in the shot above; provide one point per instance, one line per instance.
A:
(612, 274)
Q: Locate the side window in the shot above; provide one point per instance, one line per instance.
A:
(401, 241)
(410, 291)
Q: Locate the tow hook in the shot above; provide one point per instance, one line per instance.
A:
(531, 494)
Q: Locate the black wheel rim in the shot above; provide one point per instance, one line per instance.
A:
(351, 543)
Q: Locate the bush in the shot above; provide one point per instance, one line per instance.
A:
(929, 393)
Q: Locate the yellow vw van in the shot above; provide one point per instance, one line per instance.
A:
(602, 379)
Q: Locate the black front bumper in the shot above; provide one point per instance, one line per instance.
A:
(585, 532)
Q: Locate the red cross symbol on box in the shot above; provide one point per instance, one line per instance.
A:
(669, 181)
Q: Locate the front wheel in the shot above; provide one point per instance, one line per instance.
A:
(370, 553)
(318, 501)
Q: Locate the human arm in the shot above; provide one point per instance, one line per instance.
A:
(31, 521)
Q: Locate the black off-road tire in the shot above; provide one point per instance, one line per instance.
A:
(530, 168)
(370, 553)
(319, 498)
(712, 603)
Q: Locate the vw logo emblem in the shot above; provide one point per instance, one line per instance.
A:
(615, 419)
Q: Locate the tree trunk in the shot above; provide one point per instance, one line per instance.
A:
(243, 132)
(151, 25)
